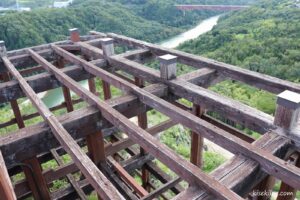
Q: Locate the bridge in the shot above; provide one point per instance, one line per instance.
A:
(211, 7)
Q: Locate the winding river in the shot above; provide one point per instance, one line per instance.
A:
(55, 97)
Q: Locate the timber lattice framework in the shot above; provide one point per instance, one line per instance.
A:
(108, 150)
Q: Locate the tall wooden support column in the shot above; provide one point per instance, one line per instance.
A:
(6, 189)
(143, 123)
(13, 103)
(197, 141)
(108, 50)
(286, 117)
(36, 181)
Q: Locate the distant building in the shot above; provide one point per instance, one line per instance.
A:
(62, 4)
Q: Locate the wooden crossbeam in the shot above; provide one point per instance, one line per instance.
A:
(155, 193)
(92, 173)
(70, 178)
(243, 114)
(140, 136)
(261, 81)
(279, 169)
(42, 82)
(239, 173)
(127, 178)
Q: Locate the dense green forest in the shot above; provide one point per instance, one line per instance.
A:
(264, 38)
(47, 24)
(151, 20)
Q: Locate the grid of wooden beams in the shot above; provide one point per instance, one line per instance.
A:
(253, 161)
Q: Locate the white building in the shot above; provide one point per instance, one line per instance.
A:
(62, 4)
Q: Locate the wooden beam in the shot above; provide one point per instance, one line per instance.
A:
(239, 173)
(91, 172)
(80, 123)
(15, 107)
(197, 142)
(70, 178)
(42, 82)
(279, 168)
(176, 163)
(285, 188)
(66, 92)
(261, 81)
(127, 178)
(6, 188)
(36, 181)
(234, 110)
(157, 192)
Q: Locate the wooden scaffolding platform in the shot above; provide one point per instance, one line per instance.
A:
(109, 151)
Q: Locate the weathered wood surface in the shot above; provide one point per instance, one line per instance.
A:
(128, 178)
(261, 81)
(42, 140)
(86, 166)
(155, 193)
(36, 181)
(42, 82)
(242, 174)
(6, 188)
(279, 168)
(70, 177)
(234, 110)
(188, 171)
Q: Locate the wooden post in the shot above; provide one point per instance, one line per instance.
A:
(143, 123)
(108, 50)
(168, 66)
(74, 35)
(36, 180)
(6, 188)
(95, 143)
(66, 91)
(286, 117)
(107, 46)
(197, 141)
(13, 103)
(287, 112)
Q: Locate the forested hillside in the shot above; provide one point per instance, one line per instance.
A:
(264, 38)
(151, 20)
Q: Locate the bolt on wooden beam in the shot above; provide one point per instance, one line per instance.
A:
(168, 66)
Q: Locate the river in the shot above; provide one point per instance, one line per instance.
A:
(55, 97)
